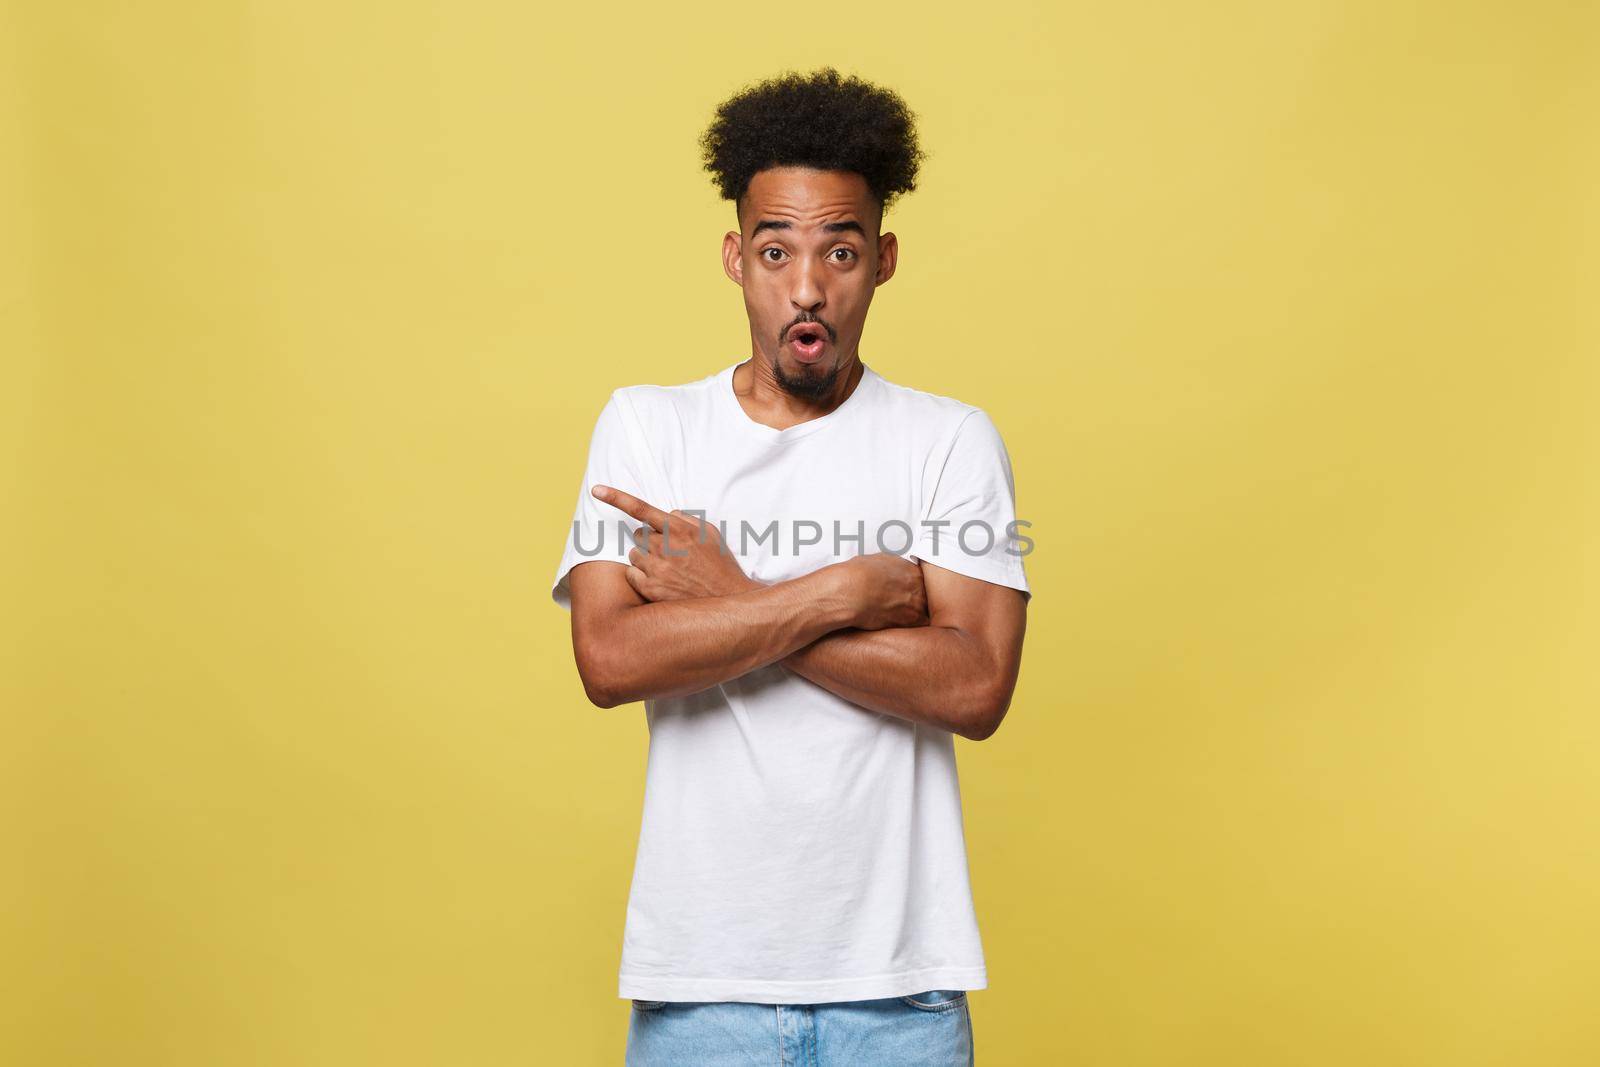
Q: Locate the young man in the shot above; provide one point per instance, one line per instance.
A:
(825, 585)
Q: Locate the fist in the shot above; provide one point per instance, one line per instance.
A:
(888, 591)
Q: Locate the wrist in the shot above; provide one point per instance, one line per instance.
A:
(840, 595)
(742, 583)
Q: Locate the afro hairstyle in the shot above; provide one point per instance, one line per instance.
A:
(821, 120)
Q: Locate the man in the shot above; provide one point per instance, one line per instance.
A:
(847, 595)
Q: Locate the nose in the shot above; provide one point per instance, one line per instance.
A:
(807, 292)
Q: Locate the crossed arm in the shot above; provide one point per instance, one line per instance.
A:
(915, 641)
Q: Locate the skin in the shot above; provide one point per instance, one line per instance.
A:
(907, 639)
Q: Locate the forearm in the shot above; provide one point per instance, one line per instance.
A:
(930, 674)
(676, 647)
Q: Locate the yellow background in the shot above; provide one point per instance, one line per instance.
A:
(1288, 314)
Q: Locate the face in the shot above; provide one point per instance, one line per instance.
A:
(809, 256)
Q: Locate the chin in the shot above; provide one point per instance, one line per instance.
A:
(807, 380)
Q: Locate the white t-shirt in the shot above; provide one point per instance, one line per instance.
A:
(796, 847)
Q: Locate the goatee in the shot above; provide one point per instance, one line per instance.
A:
(811, 387)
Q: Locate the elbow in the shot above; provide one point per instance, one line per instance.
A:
(599, 695)
(599, 692)
(600, 681)
(981, 727)
(985, 712)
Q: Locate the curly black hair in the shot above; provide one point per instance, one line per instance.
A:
(821, 120)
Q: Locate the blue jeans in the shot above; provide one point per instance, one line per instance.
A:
(932, 1029)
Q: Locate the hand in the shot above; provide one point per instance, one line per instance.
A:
(888, 591)
(679, 556)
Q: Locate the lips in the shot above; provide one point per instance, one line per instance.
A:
(807, 340)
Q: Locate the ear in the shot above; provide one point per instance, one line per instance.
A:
(888, 255)
(733, 256)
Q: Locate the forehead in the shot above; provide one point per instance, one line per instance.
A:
(805, 196)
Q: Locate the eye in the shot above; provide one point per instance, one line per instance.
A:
(849, 254)
(771, 248)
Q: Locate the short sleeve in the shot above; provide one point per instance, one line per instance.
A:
(970, 521)
(599, 531)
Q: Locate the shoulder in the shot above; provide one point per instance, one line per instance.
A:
(646, 411)
(648, 401)
(944, 418)
(921, 401)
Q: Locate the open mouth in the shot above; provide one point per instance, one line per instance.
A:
(808, 341)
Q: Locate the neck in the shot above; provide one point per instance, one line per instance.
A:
(767, 402)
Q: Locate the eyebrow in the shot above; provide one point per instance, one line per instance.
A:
(849, 226)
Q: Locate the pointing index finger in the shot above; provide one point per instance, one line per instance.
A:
(648, 514)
